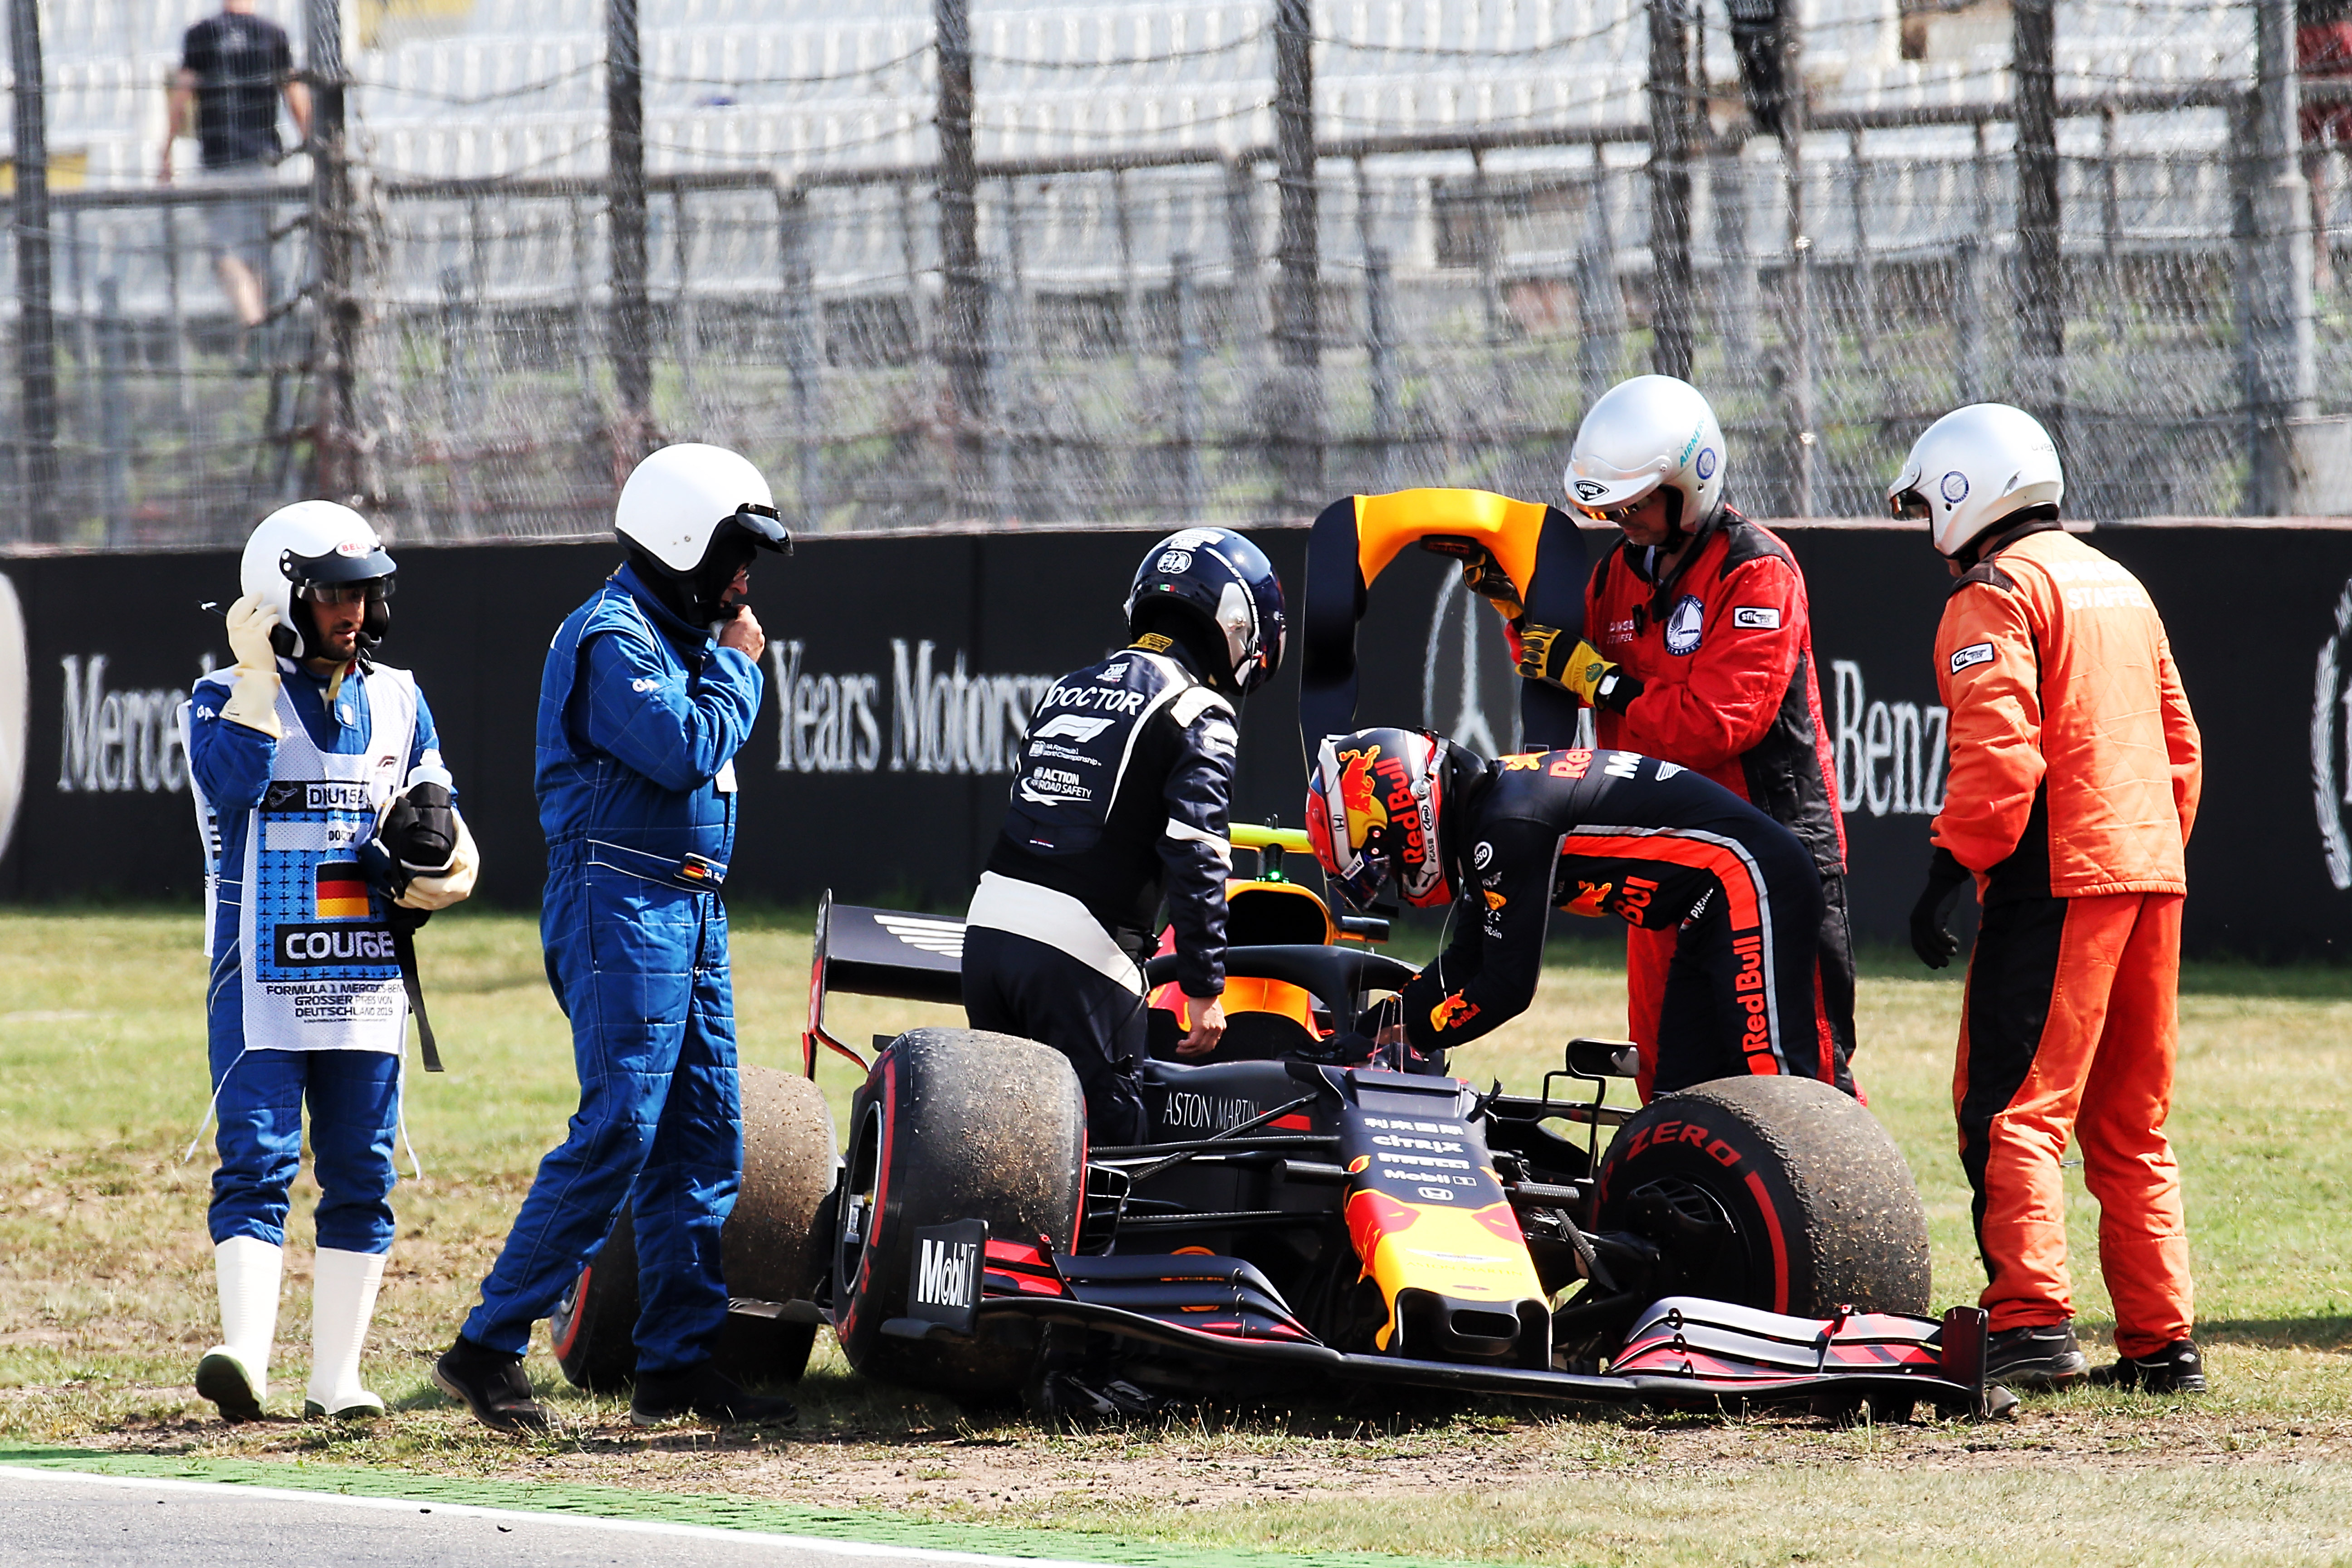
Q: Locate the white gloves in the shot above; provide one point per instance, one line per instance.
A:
(252, 702)
(449, 884)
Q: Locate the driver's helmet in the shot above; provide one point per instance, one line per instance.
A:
(310, 548)
(1373, 805)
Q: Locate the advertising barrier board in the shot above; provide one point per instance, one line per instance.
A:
(901, 671)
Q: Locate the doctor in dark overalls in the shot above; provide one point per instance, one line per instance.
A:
(651, 688)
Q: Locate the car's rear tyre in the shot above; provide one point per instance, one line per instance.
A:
(1778, 1193)
(953, 1124)
(594, 1326)
(769, 1246)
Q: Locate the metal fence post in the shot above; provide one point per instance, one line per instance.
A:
(1133, 334)
(2287, 367)
(1193, 499)
(1600, 308)
(36, 346)
(801, 359)
(1297, 413)
(685, 319)
(1671, 134)
(631, 326)
(337, 444)
(1866, 264)
(2041, 264)
(1798, 387)
(1380, 348)
(963, 325)
(1736, 303)
(113, 411)
(1971, 259)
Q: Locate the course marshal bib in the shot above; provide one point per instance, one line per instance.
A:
(319, 972)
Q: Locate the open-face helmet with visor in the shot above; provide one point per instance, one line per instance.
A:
(1971, 471)
(1225, 594)
(1375, 803)
(313, 552)
(1652, 433)
(694, 516)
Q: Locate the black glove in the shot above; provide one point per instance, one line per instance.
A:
(1930, 938)
(420, 828)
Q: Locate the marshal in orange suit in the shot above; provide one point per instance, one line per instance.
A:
(2073, 784)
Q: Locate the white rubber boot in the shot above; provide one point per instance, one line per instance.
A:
(234, 1374)
(343, 1300)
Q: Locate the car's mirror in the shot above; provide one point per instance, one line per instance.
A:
(1603, 1058)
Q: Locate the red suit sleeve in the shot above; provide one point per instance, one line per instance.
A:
(1990, 675)
(2181, 740)
(1752, 628)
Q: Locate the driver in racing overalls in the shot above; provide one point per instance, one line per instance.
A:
(1592, 833)
(301, 756)
(649, 690)
(1119, 796)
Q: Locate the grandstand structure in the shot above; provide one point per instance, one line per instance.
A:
(1482, 241)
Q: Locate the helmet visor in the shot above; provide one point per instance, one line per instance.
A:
(372, 590)
(1909, 506)
(761, 525)
(1612, 498)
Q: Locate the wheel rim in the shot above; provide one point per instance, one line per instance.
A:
(1692, 1224)
(860, 1183)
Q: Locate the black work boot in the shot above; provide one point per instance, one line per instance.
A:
(703, 1390)
(2178, 1368)
(491, 1384)
(2042, 1356)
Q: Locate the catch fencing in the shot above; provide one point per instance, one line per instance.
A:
(1472, 286)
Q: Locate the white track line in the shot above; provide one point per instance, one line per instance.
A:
(628, 1526)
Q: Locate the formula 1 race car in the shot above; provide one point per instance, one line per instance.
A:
(1308, 1218)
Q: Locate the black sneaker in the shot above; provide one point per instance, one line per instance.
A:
(2178, 1368)
(703, 1390)
(2043, 1356)
(491, 1384)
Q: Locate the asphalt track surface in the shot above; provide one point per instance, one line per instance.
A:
(59, 1517)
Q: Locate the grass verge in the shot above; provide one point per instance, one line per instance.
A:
(106, 1300)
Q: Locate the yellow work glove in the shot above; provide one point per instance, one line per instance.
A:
(1545, 654)
(452, 883)
(1482, 576)
(253, 701)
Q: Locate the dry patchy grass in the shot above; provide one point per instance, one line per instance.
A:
(106, 1300)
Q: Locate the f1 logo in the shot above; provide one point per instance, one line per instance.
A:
(1073, 726)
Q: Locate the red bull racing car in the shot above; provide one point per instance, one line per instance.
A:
(1306, 1216)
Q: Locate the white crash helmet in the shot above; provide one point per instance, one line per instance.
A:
(314, 541)
(1643, 434)
(1974, 468)
(679, 501)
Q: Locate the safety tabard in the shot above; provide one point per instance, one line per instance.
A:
(318, 971)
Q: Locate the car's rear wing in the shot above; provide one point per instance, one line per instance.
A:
(877, 953)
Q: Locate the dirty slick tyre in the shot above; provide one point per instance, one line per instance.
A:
(770, 1248)
(953, 1124)
(1778, 1193)
(770, 1252)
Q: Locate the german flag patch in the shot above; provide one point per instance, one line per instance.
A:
(343, 891)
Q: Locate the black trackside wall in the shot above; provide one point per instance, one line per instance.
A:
(901, 671)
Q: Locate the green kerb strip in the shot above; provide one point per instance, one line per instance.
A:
(705, 1509)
